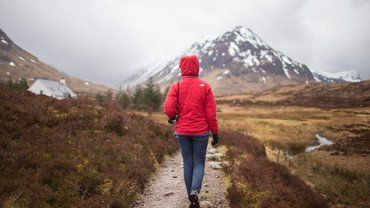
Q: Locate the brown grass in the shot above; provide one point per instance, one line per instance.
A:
(257, 182)
(344, 95)
(290, 129)
(75, 153)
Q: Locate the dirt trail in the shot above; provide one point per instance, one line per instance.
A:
(167, 188)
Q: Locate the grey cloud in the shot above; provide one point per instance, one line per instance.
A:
(105, 41)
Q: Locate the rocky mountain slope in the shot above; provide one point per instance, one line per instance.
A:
(237, 61)
(16, 63)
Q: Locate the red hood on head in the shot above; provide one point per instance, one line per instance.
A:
(189, 65)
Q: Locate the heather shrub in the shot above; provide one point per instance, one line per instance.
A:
(257, 182)
(75, 153)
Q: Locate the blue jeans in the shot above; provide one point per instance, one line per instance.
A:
(193, 150)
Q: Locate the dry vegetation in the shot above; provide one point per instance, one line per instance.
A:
(75, 153)
(257, 182)
(336, 95)
(340, 172)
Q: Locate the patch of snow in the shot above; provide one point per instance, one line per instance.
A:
(219, 77)
(268, 57)
(296, 71)
(316, 78)
(12, 64)
(21, 58)
(233, 49)
(348, 76)
(3, 41)
(250, 60)
(33, 61)
(286, 60)
(286, 71)
(246, 35)
(87, 83)
(226, 72)
(7, 73)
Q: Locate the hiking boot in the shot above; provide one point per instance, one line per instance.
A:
(194, 199)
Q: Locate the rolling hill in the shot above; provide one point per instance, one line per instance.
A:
(16, 63)
(333, 95)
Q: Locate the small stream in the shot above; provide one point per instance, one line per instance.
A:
(322, 141)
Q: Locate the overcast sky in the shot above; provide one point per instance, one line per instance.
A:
(105, 41)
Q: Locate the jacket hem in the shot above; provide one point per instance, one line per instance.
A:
(199, 133)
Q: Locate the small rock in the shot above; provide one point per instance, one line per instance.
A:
(212, 151)
(206, 204)
(169, 194)
(174, 176)
(215, 165)
(214, 156)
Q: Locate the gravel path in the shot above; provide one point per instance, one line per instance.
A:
(167, 188)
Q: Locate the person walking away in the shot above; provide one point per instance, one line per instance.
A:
(191, 106)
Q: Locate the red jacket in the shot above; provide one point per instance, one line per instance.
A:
(197, 106)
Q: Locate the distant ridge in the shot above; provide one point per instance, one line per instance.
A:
(16, 63)
(343, 76)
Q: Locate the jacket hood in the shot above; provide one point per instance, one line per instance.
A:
(189, 65)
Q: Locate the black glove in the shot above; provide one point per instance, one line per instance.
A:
(215, 139)
(173, 120)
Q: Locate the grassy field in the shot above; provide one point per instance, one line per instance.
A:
(247, 187)
(340, 172)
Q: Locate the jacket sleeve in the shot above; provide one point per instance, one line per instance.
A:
(169, 105)
(211, 110)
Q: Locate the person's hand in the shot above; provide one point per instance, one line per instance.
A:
(172, 120)
(215, 139)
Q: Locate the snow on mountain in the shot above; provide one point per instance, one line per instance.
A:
(237, 61)
(343, 76)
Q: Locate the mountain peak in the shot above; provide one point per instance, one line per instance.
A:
(237, 61)
(241, 29)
